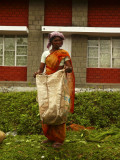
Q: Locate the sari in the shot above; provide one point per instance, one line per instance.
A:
(57, 133)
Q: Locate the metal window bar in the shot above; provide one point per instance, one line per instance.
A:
(15, 49)
(3, 50)
(87, 57)
(22, 45)
(99, 52)
(111, 53)
(88, 53)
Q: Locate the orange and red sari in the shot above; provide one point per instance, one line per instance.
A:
(57, 133)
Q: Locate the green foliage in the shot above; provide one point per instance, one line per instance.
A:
(99, 109)
(20, 112)
(101, 144)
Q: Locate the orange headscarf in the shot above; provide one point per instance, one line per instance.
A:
(54, 34)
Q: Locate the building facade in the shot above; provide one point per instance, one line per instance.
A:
(91, 28)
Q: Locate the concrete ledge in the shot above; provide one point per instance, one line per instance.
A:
(96, 31)
(17, 89)
(77, 90)
(14, 30)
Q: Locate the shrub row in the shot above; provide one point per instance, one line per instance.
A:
(19, 111)
(100, 109)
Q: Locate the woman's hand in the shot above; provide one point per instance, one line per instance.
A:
(68, 69)
(38, 72)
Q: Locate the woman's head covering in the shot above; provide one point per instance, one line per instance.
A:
(54, 34)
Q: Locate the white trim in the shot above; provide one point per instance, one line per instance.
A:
(14, 30)
(83, 30)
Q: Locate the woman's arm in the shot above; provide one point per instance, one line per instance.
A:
(68, 67)
(41, 69)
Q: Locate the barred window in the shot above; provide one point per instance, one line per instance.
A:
(13, 50)
(103, 53)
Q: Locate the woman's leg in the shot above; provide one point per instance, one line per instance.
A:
(55, 133)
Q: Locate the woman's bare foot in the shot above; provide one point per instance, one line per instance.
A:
(47, 141)
(57, 144)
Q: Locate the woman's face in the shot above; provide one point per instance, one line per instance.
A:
(57, 42)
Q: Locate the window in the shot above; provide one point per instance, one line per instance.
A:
(103, 53)
(13, 51)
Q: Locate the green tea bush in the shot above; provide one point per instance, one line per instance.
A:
(20, 112)
(99, 109)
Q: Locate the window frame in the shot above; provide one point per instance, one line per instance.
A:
(111, 52)
(16, 45)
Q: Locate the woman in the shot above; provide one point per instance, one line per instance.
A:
(54, 60)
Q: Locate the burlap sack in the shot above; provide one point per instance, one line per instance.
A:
(2, 136)
(53, 97)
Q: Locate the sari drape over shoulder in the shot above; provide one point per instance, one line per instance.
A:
(57, 132)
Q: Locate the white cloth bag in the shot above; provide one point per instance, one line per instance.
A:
(53, 97)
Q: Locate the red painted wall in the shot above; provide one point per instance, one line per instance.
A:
(103, 75)
(104, 13)
(58, 13)
(13, 73)
(14, 12)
